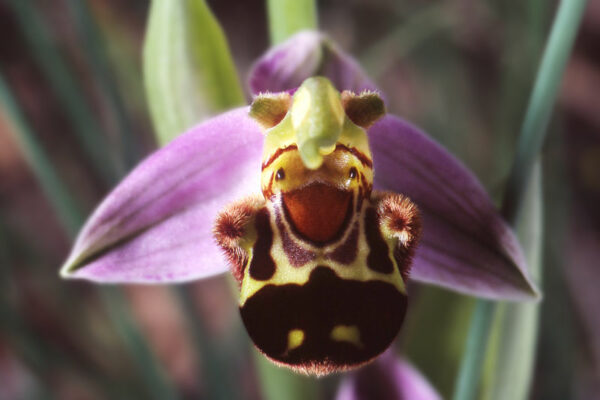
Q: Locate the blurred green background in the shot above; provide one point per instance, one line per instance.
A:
(461, 69)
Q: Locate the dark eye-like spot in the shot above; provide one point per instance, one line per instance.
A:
(353, 173)
(280, 174)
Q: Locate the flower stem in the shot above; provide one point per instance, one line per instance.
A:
(287, 17)
(531, 139)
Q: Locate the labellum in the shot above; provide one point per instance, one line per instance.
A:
(320, 258)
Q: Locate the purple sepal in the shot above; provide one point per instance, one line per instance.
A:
(466, 245)
(306, 54)
(388, 378)
(156, 225)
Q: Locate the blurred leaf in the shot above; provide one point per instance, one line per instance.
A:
(541, 103)
(287, 17)
(532, 135)
(67, 90)
(67, 210)
(434, 310)
(188, 69)
(282, 384)
(510, 362)
(154, 377)
(95, 49)
(425, 23)
(54, 189)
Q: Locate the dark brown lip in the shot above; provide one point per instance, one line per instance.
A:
(376, 308)
(318, 212)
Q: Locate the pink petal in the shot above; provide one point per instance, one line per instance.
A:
(387, 378)
(156, 225)
(306, 54)
(466, 245)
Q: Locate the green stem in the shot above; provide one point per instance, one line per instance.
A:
(65, 87)
(533, 133)
(287, 17)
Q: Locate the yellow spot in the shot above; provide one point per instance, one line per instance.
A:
(346, 333)
(295, 339)
(324, 151)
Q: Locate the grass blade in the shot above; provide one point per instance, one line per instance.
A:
(55, 69)
(533, 133)
(71, 219)
(287, 17)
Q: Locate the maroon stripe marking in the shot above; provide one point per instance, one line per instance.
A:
(262, 266)
(297, 256)
(276, 155)
(347, 251)
(366, 161)
(378, 258)
(374, 307)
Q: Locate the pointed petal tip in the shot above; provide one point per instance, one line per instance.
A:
(65, 272)
(156, 225)
(466, 244)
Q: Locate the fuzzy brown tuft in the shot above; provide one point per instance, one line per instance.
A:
(268, 109)
(401, 217)
(230, 227)
(319, 369)
(363, 109)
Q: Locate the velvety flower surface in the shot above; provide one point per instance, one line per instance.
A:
(306, 54)
(388, 378)
(156, 225)
(466, 245)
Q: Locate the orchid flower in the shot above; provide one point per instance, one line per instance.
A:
(157, 225)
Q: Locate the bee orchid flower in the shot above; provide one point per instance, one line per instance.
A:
(300, 160)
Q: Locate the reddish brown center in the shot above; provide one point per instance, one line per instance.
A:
(318, 211)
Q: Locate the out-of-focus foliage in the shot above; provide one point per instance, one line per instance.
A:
(188, 70)
(465, 80)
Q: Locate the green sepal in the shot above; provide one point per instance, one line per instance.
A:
(188, 70)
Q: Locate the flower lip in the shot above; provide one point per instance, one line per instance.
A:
(339, 321)
(319, 212)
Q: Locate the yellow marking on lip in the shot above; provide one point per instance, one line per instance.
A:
(285, 273)
(346, 333)
(295, 339)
